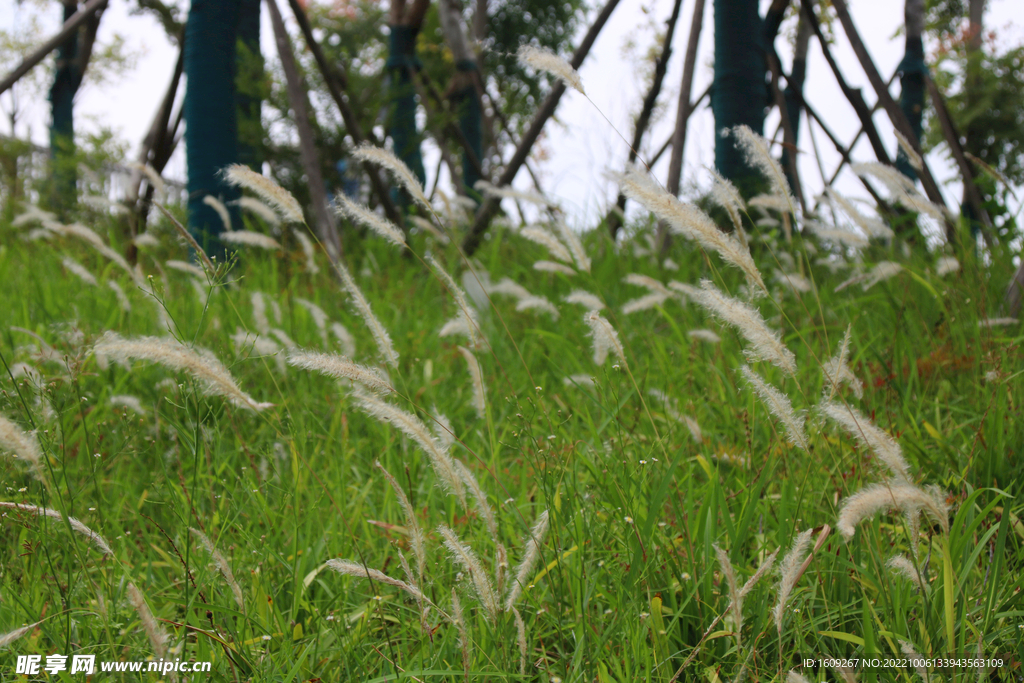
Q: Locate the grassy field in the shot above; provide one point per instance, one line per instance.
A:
(664, 481)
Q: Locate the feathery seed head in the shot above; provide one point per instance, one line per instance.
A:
(543, 59)
(894, 494)
(585, 299)
(605, 338)
(272, 193)
(870, 436)
(385, 159)
(465, 556)
(340, 367)
(361, 214)
(766, 344)
(249, 238)
(778, 405)
(201, 364)
(377, 331)
(530, 556)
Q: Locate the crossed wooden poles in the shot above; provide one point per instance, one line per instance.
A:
(162, 136)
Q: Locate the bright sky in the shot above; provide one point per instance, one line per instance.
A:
(581, 145)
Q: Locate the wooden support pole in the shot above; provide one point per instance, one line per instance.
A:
(326, 226)
(489, 208)
(684, 108)
(966, 170)
(660, 68)
(788, 134)
(39, 54)
(337, 84)
(896, 115)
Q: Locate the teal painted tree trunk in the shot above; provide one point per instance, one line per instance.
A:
(402, 96)
(211, 125)
(249, 86)
(912, 71)
(739, 95)
(66, 81)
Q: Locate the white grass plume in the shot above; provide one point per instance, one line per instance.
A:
(554, 267)
(411, 426)
(476, 375)
(222, 211)
(871, 226)
(509, 192)
(261, 210)
(869, 436)
(836, 371)
(187, 268)
(11, 636)
(308, 250)
(544, 238)
(725, 194)
(537, 303)
(916, 660)
(146, 240)
(520, 640)
(572, 240)
(340, 367)
(279, 198)
(604, 337)
(530, 556)
(223, 566)
(882, 271)
(318, 315)
(345, 339)
(76, 525)
(735, 597)
(417, 541)
(581, 298)
(672, 411)
(249, 238)
(377, 331)
(467, 312)
(361, 214)
(459, 619)
(766, 344)
(644, 303)
(706, 336)
(997, 322)
(946, 265)
(543, 59)
(895, 494)
(647, 282)
(756, 150)
(689, 221)
(350, 568)
(843, 237)
(201, 364)
(132, 403)
(794, 677)
(465, 556)
(913, 158)
(790, 571)
(428, 227)
(778, 404)
(509, 287)
(382, 157)
(259, 312)
(79, 271)
(794, 282)
(480, 498)
(581, 380)
(685, 291)
(900, 565)
(157, 636)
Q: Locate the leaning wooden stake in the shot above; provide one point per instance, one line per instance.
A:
(76, 20)
(337, 83)
(966, 170)
(684, 108)
(896, 115)
(490, 206)
(327, 228)
(660, 67)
